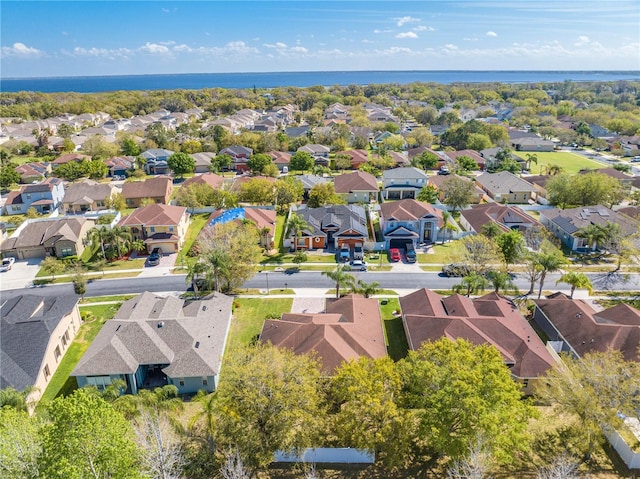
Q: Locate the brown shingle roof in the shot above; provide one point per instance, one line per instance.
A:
(87, 191)
(409, 210)
(356, 181)
(490, 319)
(154, 215)
(66, 158)
(350, 328)
(211, 179)
(479, 215)
(158, 186)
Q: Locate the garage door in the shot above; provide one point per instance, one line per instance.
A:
(32, 253)
(398, 243)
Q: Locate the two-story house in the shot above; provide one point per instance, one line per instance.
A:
(158, 225)
(156, 163)
(319, 152)
(119, 165)
(88, 195)
(409, 221)
(357, 187)
(45, 197)
(401, 183)
(239, 156)
(157, 189)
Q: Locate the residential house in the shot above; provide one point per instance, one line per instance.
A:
(356, 157)
(159, 226)
(452, 157)
(357, 187)
(348, 329)
(120, 165)
(624, 178)
(320, 153)
(440, 182)
(210, 179)
(505, 216)
(491, 160)
(87, 195)
(239, 156)
(156, 161)
(400, 183)
(154, 341)
(309, 181)
(238, 181)
(532, 144)
(490, 319)
(399, 159)
(45, 197)
(505, 187)
(416, 152)
(264, 219)
(157, 189)
(564, 224)
(409, 221)
(539, 182)
(36, 333)
(332, 226)
(281, 159)
(297, 131)
(33, 172)
(575, 327)
(60, 237)
(202, 161)
(68, 157)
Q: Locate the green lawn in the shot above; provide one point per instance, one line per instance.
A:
(570, 162)
(397, 345)
(281, 258)
(248, 317)
(196, 223)
(61, 383)
(449, 252)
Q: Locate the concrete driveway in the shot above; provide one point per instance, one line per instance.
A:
(21, 274)
(167, 261)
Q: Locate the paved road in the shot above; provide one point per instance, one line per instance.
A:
(314, 280)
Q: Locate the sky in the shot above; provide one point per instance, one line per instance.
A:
(83, 38)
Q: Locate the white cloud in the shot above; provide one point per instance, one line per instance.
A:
(492, 34)
(20, 50)
(583, 38)
(154, 48)
(404, 20)
(470, 39)
(65, 33)
(278, 45)
(407, 35)
(111, 54)
(450, 46)
(299, 50)
(182, 48)
(166, 10)
(382, 31)
(394, 51)
(422, 28)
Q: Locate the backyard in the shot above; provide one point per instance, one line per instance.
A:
(569, 162)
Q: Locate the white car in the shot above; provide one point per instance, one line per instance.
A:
(7, 263)
(358, 265)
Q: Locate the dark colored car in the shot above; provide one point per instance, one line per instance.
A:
(154, 257)
(394, 255)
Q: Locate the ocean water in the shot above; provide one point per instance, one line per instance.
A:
(197, 81)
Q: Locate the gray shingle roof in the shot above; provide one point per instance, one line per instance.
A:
(504, 182)
(187, 337)
(343, 216)
(26, 323)
(403, 173)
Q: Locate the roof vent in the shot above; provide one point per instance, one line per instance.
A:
(204, 308)
(197, 344)
(160, 324)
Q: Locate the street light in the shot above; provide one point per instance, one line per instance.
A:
(286, 286)
(267, 273)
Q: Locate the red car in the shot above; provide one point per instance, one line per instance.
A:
(394, 254)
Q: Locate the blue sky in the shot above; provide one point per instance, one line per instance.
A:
(53, 38)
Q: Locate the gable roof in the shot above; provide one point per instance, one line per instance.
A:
(154, 215)
(49, 231)
(350, 328)
(156, 187)
(344, 217)
(404, 173)
(356, 181)
(489, 319)
(189, 337)
(86, 192)
(280, 157)
(586, 330)
(67, 157)
(479, 215)
(504, 182)
(210, 179)
(572, 219)
(408, 210)
(203, 158)
(27, 322)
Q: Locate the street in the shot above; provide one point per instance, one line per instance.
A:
(315, 280)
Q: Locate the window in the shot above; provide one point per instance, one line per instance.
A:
(28, 196)
(15, 208)
(47, 372)
(525, 383)
(66, 252)
(56, 353)
(99, 382)
(171, 228)
(205, 381)
(181, 382)
(152, 229)
(64, 340)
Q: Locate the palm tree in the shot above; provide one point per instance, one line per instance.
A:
(296, 225)
(594, 234)
(341, 278)
(445, 219)
(138, 246)
(121, 237)
(576, 280)
(471, 284)
(216, 267)
(553, 169)
(101, 234)
(264, 234)
(194, 269)
(490, 229)
(207, 413)
(548, 262)
(501, 280)
(531, 158)
(366, 289)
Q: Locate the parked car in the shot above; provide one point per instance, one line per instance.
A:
(345, 254)
(456, 269)
(358, 252)
(411, 253)
(154, 257)
(7, 263)
(358, 265)
(394, 255)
